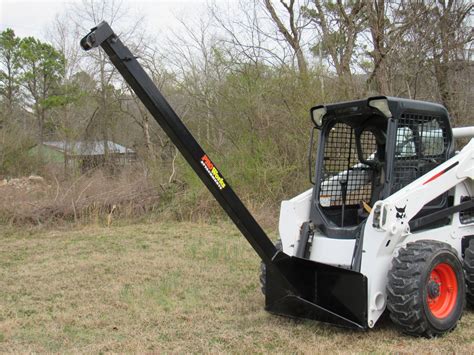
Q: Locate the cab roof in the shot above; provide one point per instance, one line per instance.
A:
(398, 107)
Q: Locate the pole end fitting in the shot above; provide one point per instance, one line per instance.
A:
(96, 36)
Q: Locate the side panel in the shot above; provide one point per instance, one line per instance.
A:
(453, 233)
(293, 214)
(378, 251)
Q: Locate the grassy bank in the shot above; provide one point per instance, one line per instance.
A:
(179, 287)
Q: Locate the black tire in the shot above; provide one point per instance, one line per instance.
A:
(420, 288)
(263, 269)
(469, 272)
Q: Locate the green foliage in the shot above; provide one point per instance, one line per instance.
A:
(15, 157)
(260, 132)
(42, 68)
(31, 72)
(68, 93)
(9, 70)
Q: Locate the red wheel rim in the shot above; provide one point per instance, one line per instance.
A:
(442, 290)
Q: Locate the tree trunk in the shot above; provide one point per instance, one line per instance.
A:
(146, 134)
(376, 15)
(291, 34)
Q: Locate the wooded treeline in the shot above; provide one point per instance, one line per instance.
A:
(242, 75)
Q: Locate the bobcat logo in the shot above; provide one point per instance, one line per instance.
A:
(401, 212)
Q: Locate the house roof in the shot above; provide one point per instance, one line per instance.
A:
(88, 148)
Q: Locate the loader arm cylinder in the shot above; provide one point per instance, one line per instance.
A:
(127, 64)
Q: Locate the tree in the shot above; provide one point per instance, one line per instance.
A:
(386, 33)
(9, 71)
(339, 24)
(247, 35)
(439, 34)
(104, 98)
(42, 69)
(198, 63)
(377, 23)
(448, 37)
(291, 32)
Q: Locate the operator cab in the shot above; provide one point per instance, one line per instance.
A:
(368, 150)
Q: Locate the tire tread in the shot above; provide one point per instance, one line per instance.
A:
(404, 300)
(468, 265)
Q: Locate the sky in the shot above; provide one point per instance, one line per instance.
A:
(32, 17)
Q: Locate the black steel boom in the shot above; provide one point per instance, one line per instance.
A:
(154, 101)
(292, 283)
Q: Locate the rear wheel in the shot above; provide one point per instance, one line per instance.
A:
(469, 272)
(263, 269)
(426, 288)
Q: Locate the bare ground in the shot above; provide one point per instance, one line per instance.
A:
(163, 287)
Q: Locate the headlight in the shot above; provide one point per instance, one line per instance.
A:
(381, 104)
(317, 114)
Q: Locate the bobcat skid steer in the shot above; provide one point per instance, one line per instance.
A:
(389, 222)
(392, 201)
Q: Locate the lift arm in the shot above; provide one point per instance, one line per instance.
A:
(403, 205)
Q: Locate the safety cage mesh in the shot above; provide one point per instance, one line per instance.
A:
(421, 145)
(341, 166)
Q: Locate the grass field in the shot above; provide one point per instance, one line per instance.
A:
(162, 287)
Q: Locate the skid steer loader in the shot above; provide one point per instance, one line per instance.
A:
(388, 224)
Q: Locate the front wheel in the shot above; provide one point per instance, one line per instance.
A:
(426, 292)
(469, 272)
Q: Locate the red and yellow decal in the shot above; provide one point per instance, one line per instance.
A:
(212, 171)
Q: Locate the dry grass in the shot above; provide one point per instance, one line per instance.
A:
(89, 198)
(162, 287)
